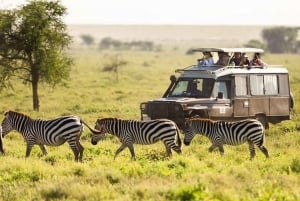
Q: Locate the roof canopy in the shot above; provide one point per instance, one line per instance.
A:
(229, 50)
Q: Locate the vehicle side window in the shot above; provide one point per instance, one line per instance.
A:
(257, 84)
(264, 84)
(222, 86)
(241, 86)
(271, 84)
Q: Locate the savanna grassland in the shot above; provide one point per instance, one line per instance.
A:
(195, 175)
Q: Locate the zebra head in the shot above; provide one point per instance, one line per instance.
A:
(96, 136)
(6, 124)
(189, 132)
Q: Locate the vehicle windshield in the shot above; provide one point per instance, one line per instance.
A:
(198, 88)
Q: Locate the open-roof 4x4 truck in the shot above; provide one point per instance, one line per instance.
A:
(225, 93)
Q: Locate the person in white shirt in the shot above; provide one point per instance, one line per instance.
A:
(207, 59)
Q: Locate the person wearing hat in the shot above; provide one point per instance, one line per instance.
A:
(207, 59)
(244, 60)
(224, 59)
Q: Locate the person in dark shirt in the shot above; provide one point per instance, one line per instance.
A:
(236, 59)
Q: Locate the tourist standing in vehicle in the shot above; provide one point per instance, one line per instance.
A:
(244, 61)
(207, 59)
(224, 59)
(257, 61)
(236, 59)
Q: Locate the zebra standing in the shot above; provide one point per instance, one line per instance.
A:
(53, 132)
(1, 142)
(139, 132)
(231, 133)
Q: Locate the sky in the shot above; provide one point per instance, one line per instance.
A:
(179, 12)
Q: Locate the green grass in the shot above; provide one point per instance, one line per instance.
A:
(194, 175)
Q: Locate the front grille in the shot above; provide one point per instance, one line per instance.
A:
(166, 110)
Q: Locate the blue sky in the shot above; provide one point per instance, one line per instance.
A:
(183, 12)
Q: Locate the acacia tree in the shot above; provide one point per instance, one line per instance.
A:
(281, 39)
(32, 43)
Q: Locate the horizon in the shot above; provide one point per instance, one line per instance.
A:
(190, 12)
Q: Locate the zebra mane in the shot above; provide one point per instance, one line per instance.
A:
(205, 120)
(10, 112)
(115, 119)
(108, 119)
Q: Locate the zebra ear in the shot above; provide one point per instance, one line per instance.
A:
(6, 113)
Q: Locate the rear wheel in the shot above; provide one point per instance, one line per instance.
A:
(263, 120)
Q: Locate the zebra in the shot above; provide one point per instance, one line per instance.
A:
(1, 142)
(52, 132)
(139, 132)
(231, 133)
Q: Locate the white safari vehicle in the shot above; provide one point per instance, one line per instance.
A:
(225, 92)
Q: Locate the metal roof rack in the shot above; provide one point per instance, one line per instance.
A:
(229, 50)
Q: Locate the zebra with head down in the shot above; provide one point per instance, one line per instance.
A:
(52, 132)
(231, 133)
(139, 132)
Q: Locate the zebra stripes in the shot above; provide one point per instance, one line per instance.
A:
(231, 133)
(140, 132)
(53, 132)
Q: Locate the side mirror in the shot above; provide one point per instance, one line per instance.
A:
(173, 78)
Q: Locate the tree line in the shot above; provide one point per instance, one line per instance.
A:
(109, 43)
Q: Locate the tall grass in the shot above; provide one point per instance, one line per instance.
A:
(194, 175)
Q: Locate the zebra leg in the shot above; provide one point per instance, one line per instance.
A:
(131, 149)
(177, 149)
(73, 146)
(81, 148)
(251, 149)
(168, 150)
(221, 149)
(28, 149)
(121, 148)
(264, 150)
(212, 147)
(43, 148)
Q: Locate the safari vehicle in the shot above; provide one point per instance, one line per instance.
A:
(225, 93)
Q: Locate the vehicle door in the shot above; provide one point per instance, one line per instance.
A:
(259, 101)
(241, 97)
(221, 95)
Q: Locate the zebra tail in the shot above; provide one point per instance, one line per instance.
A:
(178, 137)
(94, 131)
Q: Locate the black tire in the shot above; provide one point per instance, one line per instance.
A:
(263, 120)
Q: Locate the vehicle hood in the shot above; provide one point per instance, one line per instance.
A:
(184, 100)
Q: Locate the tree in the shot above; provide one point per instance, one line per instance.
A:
(281, 39)
(87, 39)
(115, 63)
(33, 39)
(255, 44)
